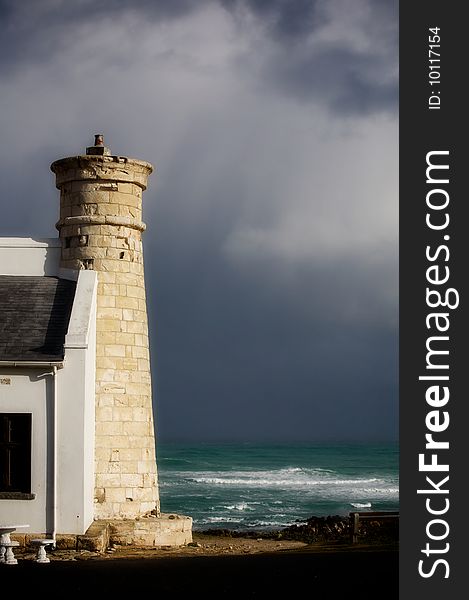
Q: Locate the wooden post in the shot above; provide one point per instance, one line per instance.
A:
(356, 520)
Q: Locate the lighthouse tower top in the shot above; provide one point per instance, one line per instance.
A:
(100, 228)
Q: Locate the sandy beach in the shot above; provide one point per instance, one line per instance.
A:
(215, 566)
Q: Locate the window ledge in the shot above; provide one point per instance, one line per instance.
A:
(16, 496)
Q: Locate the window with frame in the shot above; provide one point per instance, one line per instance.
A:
(15, 454)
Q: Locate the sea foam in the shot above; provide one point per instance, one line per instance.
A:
(260, 486)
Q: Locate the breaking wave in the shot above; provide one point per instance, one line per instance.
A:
(233, 488)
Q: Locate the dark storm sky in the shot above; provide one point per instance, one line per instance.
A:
(271, 243)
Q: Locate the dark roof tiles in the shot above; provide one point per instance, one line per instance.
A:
(34, 317)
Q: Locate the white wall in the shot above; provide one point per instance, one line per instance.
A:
(28, 256)
(76, 415)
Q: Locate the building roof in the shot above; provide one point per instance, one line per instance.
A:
(34, 317)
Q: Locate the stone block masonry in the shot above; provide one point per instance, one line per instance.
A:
(147, 531)
(100, 228)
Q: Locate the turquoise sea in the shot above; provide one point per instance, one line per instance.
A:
(243, 486)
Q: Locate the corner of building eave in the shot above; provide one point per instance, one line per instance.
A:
(83, 311)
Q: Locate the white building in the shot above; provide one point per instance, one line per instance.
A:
(47, 379)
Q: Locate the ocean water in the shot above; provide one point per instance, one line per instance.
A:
(246, 486)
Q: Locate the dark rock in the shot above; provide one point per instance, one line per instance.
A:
(334, 528)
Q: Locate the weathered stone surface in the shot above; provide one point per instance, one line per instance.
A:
(151, 531)
(164, 530)
(96, 539)
(100, 227)
(99, 171)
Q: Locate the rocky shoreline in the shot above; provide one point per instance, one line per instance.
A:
(316, 534)
(334, 528)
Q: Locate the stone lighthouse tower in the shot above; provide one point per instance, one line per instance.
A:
(100, 228)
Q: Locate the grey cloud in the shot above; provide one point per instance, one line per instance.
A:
(300, 53)
(270, 252)
(283, 19)
(31, 31)
(352, 70)
(294, 21)
(339, 79)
